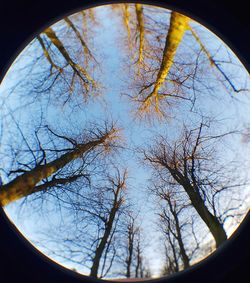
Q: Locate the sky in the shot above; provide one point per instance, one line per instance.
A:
(105, 39)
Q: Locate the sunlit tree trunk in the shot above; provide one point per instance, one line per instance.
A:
(126, 17)
(78, 69)
(86, 50)
(92, 15)
(141, 29)
(24, 184)
(178, 26)
(47, 55)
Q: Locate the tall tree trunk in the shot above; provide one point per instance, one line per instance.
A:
(131, 234)
(47, 55)
(140, 26)
(104, 240)
(174, 264)
(178, 26)
(76, 67)
(210, 220)
(184, 256)
(24, 184)
(78, 35)
(126, 17)
(138, 267)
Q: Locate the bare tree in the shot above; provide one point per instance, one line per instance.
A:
(167, 76)
(51, 156)
(176, 225)
(29, 181)
(168, 216)
(178, 26)
(89, 238)
(131, 259)
(139, 264)
(118, 185)
(140, 27)
(190, 163)
(126, 22)
(131, 234)
(62, 66)
(78, 70)
(133, 247)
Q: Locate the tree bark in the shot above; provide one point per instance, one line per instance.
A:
(104, 240)
(173, 264)
(138, 267)
(76, 67)
(47, 55)
(178, 26)
(140, 26)
(126, 17)
(210, 220)
(184, 256)
(24, 184)
(84, 45)
(131, 234)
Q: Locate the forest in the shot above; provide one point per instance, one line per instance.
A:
(125, 142)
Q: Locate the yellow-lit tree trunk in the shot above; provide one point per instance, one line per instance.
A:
(178, 26)
(126, 17)
(25, 184)
(83, 74)
(47, 55)
(86, 50)
(141, 29)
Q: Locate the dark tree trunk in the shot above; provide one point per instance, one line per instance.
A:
(184, 256)
(104, 240)
(210, 220)
(131, 234)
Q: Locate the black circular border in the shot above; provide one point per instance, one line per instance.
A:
(20, 21)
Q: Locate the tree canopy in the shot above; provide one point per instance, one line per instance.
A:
(124, 138)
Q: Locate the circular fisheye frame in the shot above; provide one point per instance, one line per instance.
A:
(122, 136)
